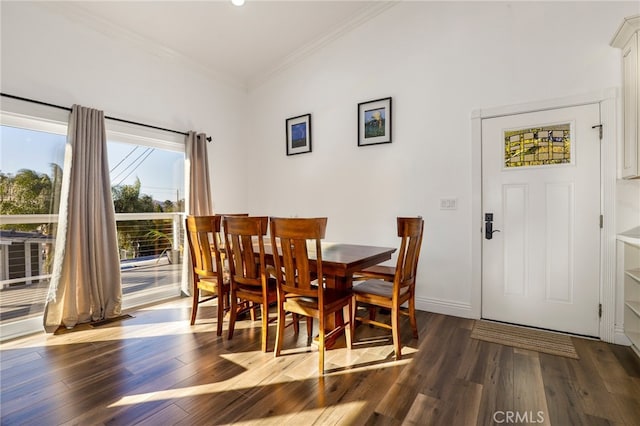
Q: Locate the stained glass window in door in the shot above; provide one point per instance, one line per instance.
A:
(538, 146)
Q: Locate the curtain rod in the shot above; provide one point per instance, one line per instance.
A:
(20, 98)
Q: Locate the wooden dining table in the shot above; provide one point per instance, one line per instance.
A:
(339, 263)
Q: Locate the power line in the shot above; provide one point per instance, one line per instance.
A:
(132, 164)
(125, 157)
(148, 153)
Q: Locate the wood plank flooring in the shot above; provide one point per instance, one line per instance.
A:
(156, 369)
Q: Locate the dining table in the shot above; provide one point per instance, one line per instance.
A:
(340, 261)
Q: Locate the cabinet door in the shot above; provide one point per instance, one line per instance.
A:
(630, 86)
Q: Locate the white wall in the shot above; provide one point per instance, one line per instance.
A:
(61, 61)
(439, 61)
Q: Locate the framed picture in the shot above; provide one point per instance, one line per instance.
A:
(374, 122)
(299, 134)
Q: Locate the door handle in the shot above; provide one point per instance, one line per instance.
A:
(488, 226)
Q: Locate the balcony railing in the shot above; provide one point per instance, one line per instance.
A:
(151, 250)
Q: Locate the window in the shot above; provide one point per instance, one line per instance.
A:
(30, 172)
(538, 146)
(147, 181)
(147, 177)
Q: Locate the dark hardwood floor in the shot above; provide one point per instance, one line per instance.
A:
(155, 369)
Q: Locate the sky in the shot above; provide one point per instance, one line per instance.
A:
(161, 173)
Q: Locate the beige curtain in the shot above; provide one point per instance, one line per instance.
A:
(199, 198)
(85, 282)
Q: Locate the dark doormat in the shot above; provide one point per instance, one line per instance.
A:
(525, 338)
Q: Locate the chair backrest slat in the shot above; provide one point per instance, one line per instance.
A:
(244, 239)
(202, 236)
(410, 230)
(289, 239)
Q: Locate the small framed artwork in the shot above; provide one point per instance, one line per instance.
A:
(299, 134)
(374, 122)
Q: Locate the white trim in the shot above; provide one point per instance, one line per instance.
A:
(44, 118)
(476, 216)
(546, 104)
(370, 12)
(629, 25)
(32, 116)
(77, 13)
(607, 99)
(608, 175)
(620, 338)
(20, 328)
(145, 136)
(445, 307)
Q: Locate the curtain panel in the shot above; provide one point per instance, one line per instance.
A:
(85, 283)
(199, 200)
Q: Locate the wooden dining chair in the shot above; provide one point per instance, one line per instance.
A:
(208, 273)
(391, 294)
(250, 280)
(300, 281)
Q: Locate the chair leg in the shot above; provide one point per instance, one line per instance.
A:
(354, 311)
(321, 343)
(296, 323)
(395, 330)
(233, 314)
(412, 316)
(372, 313)
(264, 309)
(194, 308)
(280, 335)
(309, 327)
(349, 328)
(220, 309)
(252, 311)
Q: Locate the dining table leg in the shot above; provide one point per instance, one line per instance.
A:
(337, 320)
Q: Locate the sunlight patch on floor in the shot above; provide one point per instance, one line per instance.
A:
(209, 388)
(133, 331)
(238, 383)
(309, 416)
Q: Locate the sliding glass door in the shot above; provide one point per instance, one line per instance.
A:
(148, 187)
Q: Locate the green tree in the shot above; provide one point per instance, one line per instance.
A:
(133, 235)
(30, 192)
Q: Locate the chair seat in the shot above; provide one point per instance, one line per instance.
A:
(381, 272)
(333, 300)
(377, 287)
(249, 290)
(210, 285)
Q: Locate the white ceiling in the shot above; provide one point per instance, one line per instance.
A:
(241, 45)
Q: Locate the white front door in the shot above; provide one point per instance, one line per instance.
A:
(541, 184)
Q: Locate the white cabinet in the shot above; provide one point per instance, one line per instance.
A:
(631, 240)
(627, 39)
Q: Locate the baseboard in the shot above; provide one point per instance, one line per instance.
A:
(620, 338)
(21, 328)
(445, 307)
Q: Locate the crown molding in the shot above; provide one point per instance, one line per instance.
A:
(75, 12)
(373, 10)
(629, 25)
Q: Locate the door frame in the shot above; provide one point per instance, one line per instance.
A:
(608, 101)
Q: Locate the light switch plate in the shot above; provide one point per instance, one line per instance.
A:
(448, 203)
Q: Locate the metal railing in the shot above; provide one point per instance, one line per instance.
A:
(150, 245)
